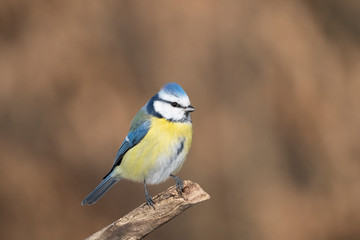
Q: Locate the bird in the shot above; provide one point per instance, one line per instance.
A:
(156, 146)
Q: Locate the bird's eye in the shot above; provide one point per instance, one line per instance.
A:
(175, 104)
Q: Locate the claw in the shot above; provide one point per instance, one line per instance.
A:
(178, 183)
(149, 201)
(148, 198)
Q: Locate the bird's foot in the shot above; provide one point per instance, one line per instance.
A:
(149, 201)
(148, 198)
(178, 183)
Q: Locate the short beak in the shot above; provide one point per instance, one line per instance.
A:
(189, 108)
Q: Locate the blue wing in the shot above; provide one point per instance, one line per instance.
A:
(138, 129)
(133, 138)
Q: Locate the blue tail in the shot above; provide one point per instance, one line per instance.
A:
(101, 189)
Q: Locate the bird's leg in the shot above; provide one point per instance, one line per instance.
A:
(149, 200)
(178, 183)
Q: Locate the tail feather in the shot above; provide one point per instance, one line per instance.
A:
(101, 189)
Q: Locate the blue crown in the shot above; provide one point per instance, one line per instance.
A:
(174, 89)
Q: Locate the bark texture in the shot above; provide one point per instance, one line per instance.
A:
(144, 219)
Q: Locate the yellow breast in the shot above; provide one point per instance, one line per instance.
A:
(157, 151)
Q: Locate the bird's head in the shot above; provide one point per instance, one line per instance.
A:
(171, 103)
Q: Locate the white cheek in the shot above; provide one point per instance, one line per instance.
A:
(176, 114)
(168, 111)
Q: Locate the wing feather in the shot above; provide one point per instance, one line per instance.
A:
(139, 127)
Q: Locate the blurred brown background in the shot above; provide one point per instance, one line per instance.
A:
(276, 86)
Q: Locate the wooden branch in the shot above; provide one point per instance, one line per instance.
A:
(144, 219)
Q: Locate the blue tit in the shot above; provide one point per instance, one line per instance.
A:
(156, 146)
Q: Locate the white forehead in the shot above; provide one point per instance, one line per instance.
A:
(182, 100)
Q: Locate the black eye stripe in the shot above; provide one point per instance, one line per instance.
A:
(174, 104)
